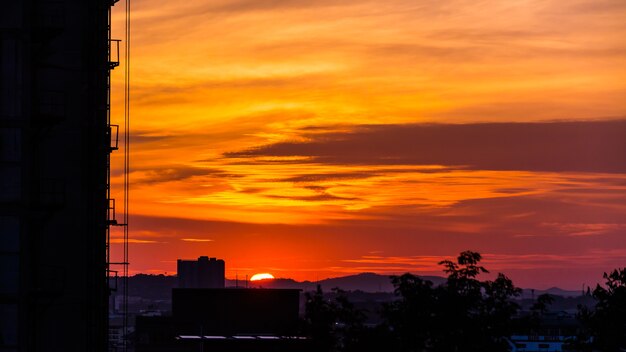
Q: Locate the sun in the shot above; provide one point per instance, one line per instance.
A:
(261, 276)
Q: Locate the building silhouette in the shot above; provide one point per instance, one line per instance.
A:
(231, 319)
(55, 145)
(204, 273)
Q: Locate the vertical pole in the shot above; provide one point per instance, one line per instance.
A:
(126, 161)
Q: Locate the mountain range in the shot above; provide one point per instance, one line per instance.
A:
(371, 282)
(158, 286)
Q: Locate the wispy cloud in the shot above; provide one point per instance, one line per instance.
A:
(582, 229)
(133, 240)
(196, 240)
(493, 261)
(172, 173)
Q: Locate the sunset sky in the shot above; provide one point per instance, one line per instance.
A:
(313, 139)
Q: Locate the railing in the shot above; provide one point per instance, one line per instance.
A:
(111, 212)
(114, 53)
(114, 137)
(112, 278)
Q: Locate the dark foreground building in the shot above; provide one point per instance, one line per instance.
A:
(55, 141)
(225, 320)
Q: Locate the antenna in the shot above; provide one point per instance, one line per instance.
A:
(236, 280)
(246, 281)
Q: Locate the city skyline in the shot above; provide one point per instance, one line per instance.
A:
(297, 139)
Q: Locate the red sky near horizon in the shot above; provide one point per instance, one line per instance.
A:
(314, 139)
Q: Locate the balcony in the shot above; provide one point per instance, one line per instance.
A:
(114, 53)
(114, 137)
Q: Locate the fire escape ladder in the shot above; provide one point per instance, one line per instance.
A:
(112, 136)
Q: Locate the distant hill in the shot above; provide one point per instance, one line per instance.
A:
(528, 292)
(160, 286)
(367, 282)
(270, 283)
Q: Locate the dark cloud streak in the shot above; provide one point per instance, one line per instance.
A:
(593, 146)
(177, 173)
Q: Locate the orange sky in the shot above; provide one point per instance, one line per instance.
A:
(295, 137)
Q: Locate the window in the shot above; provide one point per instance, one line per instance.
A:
(10, 230)
(8, 326)
(9, 78)
(10, 183)
(9, 271)
(10, 144)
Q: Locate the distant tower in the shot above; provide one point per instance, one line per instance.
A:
(204, 273)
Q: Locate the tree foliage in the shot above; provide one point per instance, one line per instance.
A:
(334, 324)
(411, 316)
(320, 318)
(540, 307)
(463, 314)
(607, 322)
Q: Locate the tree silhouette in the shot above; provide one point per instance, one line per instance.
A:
(499, 308)
(349, 323)
(537, 312)
(540, 307)
(463, 314)
(411, 316)
(334, 324)
(320, 317)
(607, 322)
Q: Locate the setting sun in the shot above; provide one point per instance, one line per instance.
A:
(262, 276)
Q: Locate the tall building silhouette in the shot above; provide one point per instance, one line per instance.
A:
(55, 141)
(204, 273)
